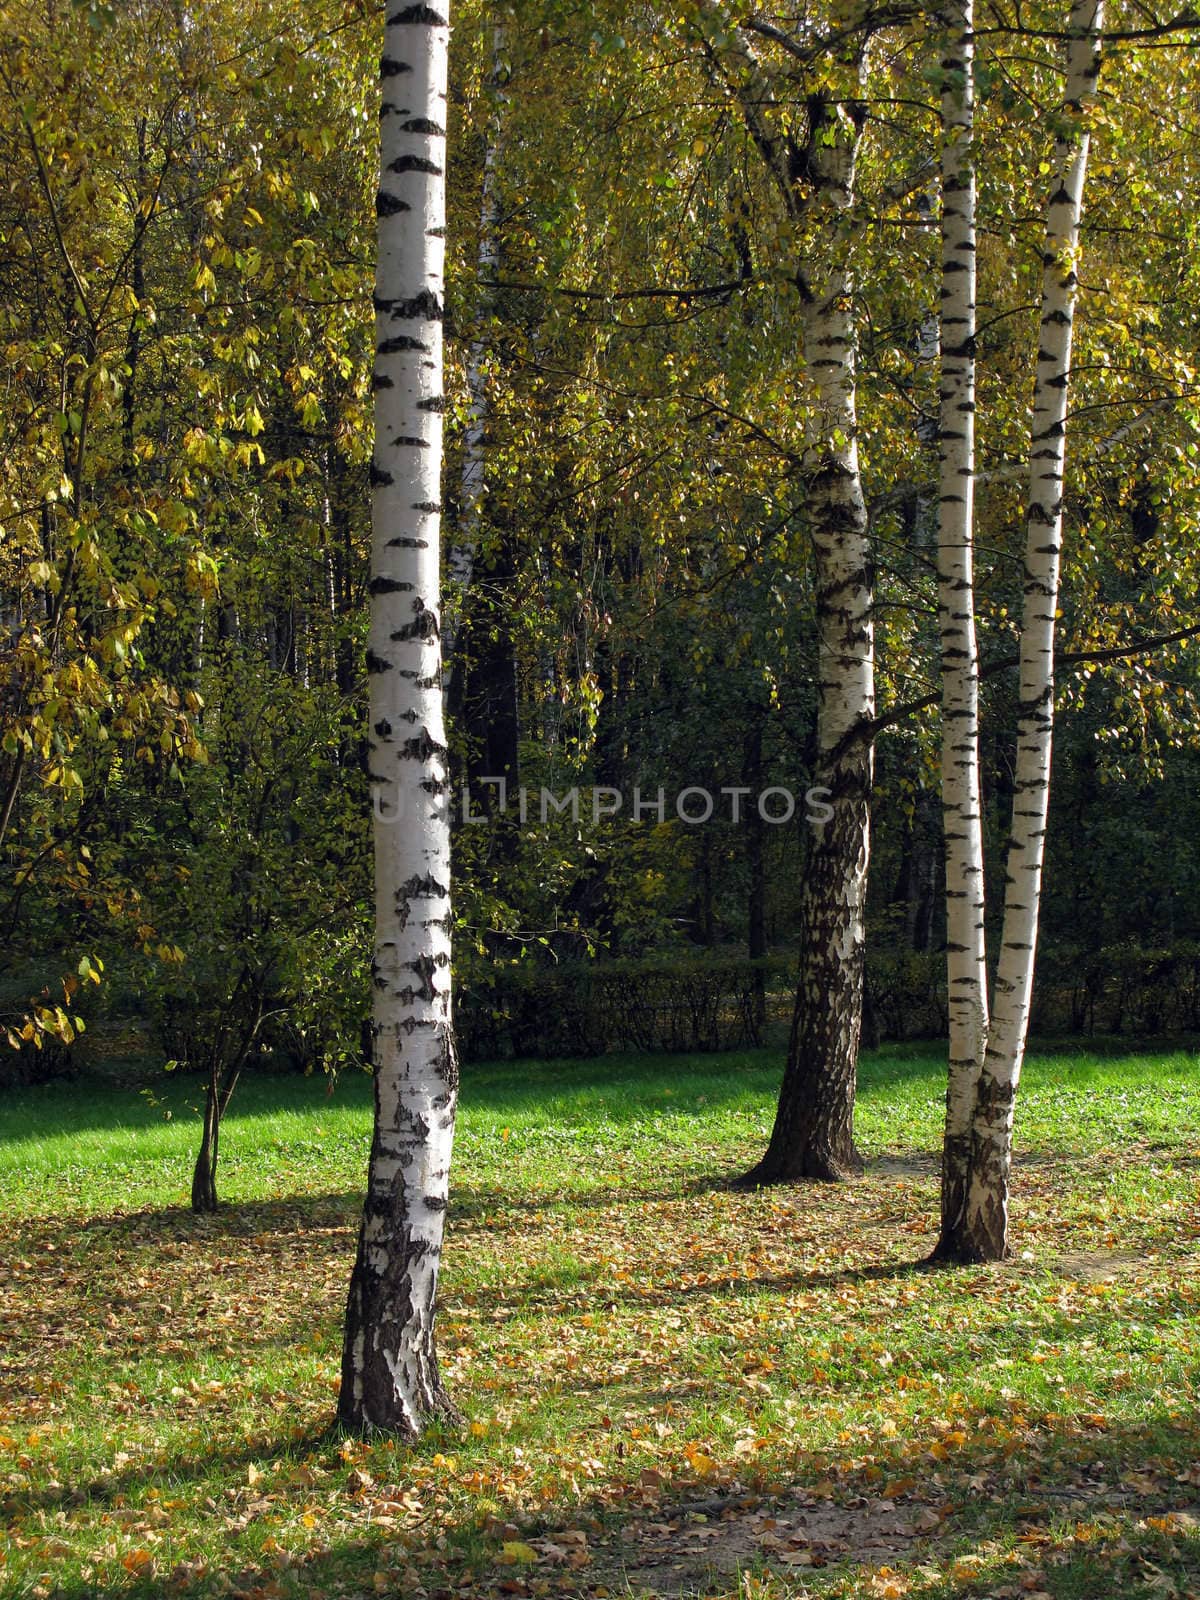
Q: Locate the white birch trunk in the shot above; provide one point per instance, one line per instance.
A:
(460, 558)
(985, 1229)
(961, 801)
(390, 1375)
(813, 1134)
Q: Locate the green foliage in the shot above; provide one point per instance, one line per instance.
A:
(186, 241)
(256, 867)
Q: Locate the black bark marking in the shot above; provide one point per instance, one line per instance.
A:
(410, 163)
(425, 968)
(413, 1123)
(424, 125)
(388, 586)
(416, 14)
(377, 663)
(423, 626)
(392, 347)
(422, 888)
(389, 205)
(412, 1025)
(425, 306)
(420, 748)
(380, 478)
(449, 1062)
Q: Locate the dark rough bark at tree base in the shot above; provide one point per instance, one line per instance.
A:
(976, 1229)
(972, 1245)
(813, 1166)
(813, 1136)
(387, 1312)
(960, 1253)
(956, 1154)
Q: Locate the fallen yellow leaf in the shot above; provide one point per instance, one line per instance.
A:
(515, 1552)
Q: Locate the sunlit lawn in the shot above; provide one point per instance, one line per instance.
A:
(670, 1387)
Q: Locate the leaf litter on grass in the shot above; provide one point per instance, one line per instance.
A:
(627, 1355)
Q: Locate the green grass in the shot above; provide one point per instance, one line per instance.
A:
(626, 1336)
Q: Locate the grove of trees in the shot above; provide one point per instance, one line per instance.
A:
(608, 401)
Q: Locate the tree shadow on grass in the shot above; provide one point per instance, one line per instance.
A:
(290, 1214)
(178, 1468)
(486, 1208)
(503, 1305)
(335, 1210)
(468, 1206)
(986, 1455)
(1062, 1505)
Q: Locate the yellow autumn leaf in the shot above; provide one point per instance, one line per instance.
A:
(515, 1552)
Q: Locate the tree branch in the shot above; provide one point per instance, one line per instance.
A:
(691, 291)
(55, 220)
(1070, 658)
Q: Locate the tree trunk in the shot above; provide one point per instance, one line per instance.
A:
(966, 955)
(813, 1136)
(390, 1378)
(204, 1177)
(983, 1235)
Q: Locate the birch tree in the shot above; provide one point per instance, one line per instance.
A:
(812, 161)
(975, 1222)
(961, 797)
(390, 1378)
(813, 1134)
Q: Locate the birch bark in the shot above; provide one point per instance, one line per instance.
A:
(390, 1378)
(812, 158)
(983, 1234)
(961, 800)
(813, 1133)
